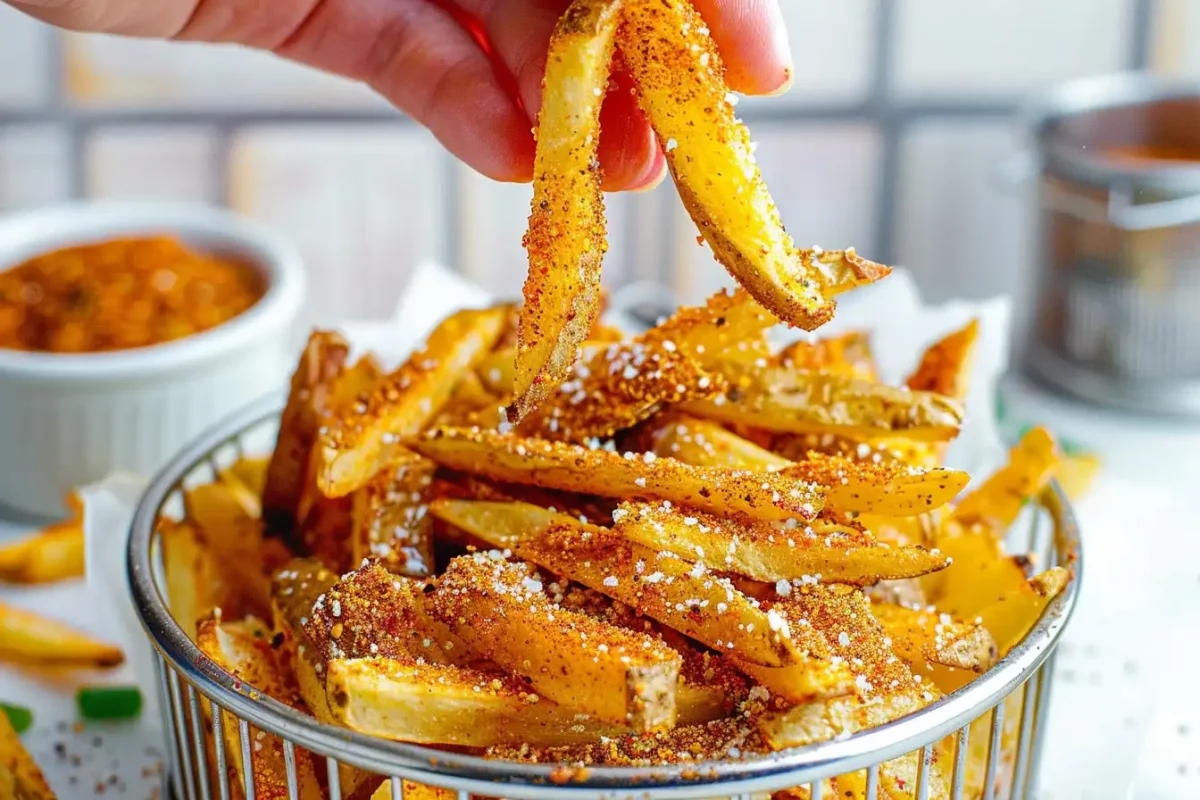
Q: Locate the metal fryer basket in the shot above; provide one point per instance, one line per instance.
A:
(196, 694)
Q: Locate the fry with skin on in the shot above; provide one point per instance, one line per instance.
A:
(233, 537)
(502, 614)
(388, 519)
(243, 649)
(322, 361)
(994, 506)
(556, 465)
(360, 442)
(888, 488)
(944, 650)
(787, 401)
(29, 638)
(566, 236)
(703, 443)
(766, 552)
(681, 88)
(196, 583)
(20, 777)
(661, 586)
(945, 367)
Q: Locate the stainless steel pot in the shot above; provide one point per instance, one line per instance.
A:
(1117, 320)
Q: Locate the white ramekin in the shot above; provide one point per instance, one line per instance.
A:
(69, 420)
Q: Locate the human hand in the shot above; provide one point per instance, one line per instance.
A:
(469, 70)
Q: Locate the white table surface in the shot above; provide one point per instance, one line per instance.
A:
(1125, 711)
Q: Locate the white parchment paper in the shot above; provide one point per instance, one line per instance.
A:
(902, 326)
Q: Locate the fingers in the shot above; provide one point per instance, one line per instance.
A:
(421, 60)
(752, 40)
(128, 17)
(628, 150)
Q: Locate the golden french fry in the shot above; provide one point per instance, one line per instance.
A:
(322, 361)
(20, 777)
(787, 401)
(243, 649)
(233, 537)
(1012, 616)
(388, 519)
(709, 153)
(824, 720)
(818, 551)
(887, 488)
(703, 443)
(53, 554)
(29, 638)
(565, 239)
(945, 367)
(557, 465)
(500, 611)
(196, 583)
(730, 325)
(410, 790)
(848, 354)
(996, 504)
(358, 444)
(251, 472)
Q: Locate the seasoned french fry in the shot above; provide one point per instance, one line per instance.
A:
(823, 720)
(565, 239)
(995, 505)
(355, 446)
(788, 401)
(897, 779)
(243, 649)
(978, 576)
(556, 465)
(661, 585)
(849, 354)
(888, 488)
(410, 790)
(772, 552)
(709, 154)
(730, 325)
(703, 443)
(501, 612)
(322, 361)
(389, 522)
(619, 387)
(29, 638)
(926, 636)
(20, 777)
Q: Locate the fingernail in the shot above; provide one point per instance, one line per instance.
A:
(788, 79)
(655, 175)
(783, 49)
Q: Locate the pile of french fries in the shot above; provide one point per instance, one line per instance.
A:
(699, 547)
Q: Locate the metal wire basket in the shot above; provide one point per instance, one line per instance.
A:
(196, 694)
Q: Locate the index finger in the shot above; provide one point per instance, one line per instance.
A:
(752, 39)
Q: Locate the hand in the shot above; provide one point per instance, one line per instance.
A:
(478, 94)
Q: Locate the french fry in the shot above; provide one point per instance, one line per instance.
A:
(233, 537)
(619, 387)
(897, 779)
(29, 638)
(20, 777)
(730, 325)
(410, 790)
(1012, 616)
(769, 552)
(556, 465)
(978, 576)
(887, 488)
(662, 586)
(787, 401)
(947, 652)
(499, 609)
(53, 554)
(355, 446)
(196, 583)
(848, 354)
(565, 239)
(388, 519)
(397, 699)
(709, 154)
(945, 367)
(824, 720)
(703, 443)
(323, 359)
(994, 506)
(249, 471)
(243, 649)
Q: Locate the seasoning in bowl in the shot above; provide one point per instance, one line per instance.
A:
(119, 295)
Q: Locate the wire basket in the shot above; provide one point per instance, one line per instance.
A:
(196, 695)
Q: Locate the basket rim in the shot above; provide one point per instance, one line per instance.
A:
(789, 767)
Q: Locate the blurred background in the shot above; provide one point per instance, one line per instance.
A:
(888, 142)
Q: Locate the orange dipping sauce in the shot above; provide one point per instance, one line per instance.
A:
(120, 295)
